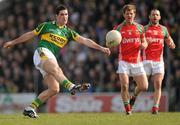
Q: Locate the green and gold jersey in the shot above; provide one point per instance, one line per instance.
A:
(54, 37)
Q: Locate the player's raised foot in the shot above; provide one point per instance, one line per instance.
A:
(80, 88)
(155, 110)
(128, 109)
(30, 112)
(132, 101)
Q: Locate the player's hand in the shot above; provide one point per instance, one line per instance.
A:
(144, 45)
(106, 51)
(8, 44)
(172, 45)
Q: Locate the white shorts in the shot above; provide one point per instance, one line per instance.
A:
(152, 67)
(132, 69)
(41, 54)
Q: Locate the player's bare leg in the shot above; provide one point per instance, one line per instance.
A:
(142, 85)
(53, 89)
(51, 66)
(124, 80)
(53, 77)
(157, 79)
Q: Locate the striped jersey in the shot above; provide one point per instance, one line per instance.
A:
(129, 48)
(54, 37)
(155, 35)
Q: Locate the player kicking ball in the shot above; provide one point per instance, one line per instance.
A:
(54, 36)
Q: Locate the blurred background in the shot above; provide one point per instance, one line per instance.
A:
(92, 19)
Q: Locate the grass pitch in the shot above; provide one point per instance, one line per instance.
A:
(93, 119)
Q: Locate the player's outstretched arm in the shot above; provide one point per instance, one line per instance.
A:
(90, 43)
(170, 43)
(23, 38)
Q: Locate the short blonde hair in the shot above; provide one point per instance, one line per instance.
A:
(129, 7)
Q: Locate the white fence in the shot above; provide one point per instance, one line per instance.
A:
(91, 102)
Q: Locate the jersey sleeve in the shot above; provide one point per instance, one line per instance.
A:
(118, 27)
(115, 27)
(73, 35)
(40, 28)
(146, 28)
(143, 33)
(166, 34)
(141, 30)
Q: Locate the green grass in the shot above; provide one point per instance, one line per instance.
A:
(93, 119)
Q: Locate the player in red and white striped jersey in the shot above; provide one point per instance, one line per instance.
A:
(156, 34)
(130, 62)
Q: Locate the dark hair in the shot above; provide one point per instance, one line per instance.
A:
(59, 8)
(129, 7)
(154, 9)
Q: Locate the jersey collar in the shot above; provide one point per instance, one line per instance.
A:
(150, 23)
(125, 23)
(63, 26)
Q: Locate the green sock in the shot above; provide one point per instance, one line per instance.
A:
(126, 103)
(36, 103)
(67, 84)
(156, 105)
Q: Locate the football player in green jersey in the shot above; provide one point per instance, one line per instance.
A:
(54, 36)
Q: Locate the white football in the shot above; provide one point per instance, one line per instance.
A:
(113, 38)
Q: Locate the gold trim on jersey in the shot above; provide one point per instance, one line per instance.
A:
(56, 39)
(63, 26)
(37, 31)
(76, 37)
